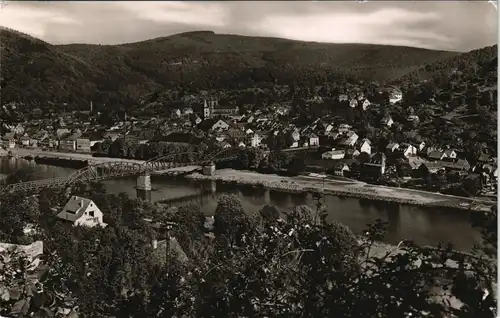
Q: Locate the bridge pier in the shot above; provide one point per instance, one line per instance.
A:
(267, 196)
(143, 187)
(209, 169)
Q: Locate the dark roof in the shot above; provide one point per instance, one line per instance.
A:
(377, 158)
(436, 154)
(178, 137)
(484, 157)
(225, 106)
(207, 124)
(8, 136)
(72, 137)
(460, 164)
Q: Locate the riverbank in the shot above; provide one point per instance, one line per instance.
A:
(353, 189)
(22, 152)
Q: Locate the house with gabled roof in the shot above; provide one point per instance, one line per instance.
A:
(349, 139)
(450, 154)
(436, 155)
(82, 212)
(333, 154)
(25, 140)
(392, 146)
(387, 121)
(366, 104)
(415, 162)
(365, 146)
(407, 150)
(9, 141)
(69, 142)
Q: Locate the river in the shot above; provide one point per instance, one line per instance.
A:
(426, 226)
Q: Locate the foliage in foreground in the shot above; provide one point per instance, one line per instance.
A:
(268, 265)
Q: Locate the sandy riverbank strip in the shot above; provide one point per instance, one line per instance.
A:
(353, 189)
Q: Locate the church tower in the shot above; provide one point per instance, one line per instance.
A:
(207, 110)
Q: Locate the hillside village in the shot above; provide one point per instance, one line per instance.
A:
(374, 137)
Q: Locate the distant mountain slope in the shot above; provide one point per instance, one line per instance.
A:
(33, 70)
(481, 63)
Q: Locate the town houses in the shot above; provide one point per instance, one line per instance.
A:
(335, 139)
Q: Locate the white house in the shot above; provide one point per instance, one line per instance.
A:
(255, 140)
(408, 150)
(366, 146)
(313, 140)
(340, 169)
(395, 96)
(387, 121)
(82, 212)
(420, 146)
(295, 135)
(25, 140)
(366, 104)
(333, 154)
(450, 153)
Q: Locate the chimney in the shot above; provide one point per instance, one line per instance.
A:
(154, 244)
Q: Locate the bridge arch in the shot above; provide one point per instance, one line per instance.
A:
(227, 154)
(171, 161)
(105, 170)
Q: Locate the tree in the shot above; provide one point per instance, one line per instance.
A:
(296, 165)
(301, 265)
(25, 288)
(230, 219)
(269, 213)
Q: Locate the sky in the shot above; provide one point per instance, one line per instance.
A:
(445, 25)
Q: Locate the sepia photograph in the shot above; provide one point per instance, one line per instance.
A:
(210, 159)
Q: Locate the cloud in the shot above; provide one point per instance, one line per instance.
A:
(32, 20)
(385, 26)
(450, 25)
(189, 13)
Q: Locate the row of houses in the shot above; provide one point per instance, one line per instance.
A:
(64, 139)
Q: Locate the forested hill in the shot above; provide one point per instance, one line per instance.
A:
(35, 71)
(481, 63)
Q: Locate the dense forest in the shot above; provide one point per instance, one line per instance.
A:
(36, 72)
(269, 264)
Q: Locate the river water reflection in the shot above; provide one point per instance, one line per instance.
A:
(427, 226)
